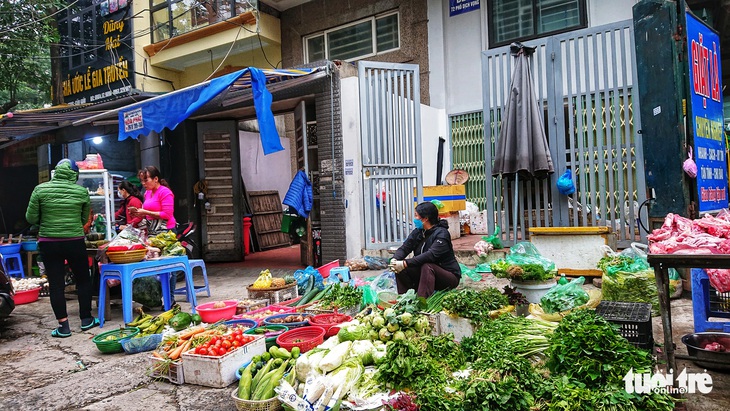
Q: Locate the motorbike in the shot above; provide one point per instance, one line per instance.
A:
(184, 232)
(7, 304)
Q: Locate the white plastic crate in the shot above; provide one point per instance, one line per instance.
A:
(173, 373)
(220, 372)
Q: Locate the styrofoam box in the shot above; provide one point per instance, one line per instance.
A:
(460, 327)
(220, 372)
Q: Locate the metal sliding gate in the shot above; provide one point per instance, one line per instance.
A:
(586, 82)
(390, 121)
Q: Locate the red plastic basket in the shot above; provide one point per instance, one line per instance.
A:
(305, 338)
(28, 296)
(329, 322)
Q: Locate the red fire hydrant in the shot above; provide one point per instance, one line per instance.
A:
(246, 235)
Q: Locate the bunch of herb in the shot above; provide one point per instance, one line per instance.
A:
(499, 267)
(514, 297)
(473, 304)
(535, 272)
(491, 390)
(567, 395)
(342, 296)
(564, 297)
(588, 349)
(435, 398)
(401, 402)
(445, 349)
(405, 365)
(409, 302)
(521, 336)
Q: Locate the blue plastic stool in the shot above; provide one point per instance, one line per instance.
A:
(339, 274)
(198, 288)
(707, 303)
(13, 264)
(126, 273)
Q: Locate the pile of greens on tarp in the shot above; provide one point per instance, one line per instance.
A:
(628, 277)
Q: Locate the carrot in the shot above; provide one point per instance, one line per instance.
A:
(175, 354)
(158, 355)
(191, 332)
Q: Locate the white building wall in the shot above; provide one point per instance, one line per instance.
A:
(456, 57)
(433, 126)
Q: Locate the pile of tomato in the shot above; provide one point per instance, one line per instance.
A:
(223, 344)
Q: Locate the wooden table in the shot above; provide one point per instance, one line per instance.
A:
(29, 262)
(662, 263)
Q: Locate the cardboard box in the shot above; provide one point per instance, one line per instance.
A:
(220, 372)
(452, 197)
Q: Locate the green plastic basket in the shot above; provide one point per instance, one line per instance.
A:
(114, 345)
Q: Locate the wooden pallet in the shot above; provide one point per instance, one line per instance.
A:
(267, 214)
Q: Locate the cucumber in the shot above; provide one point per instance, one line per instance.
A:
(308, 297)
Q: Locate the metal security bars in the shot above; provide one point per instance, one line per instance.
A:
(467, 151)
(586, 81)
(390, 118)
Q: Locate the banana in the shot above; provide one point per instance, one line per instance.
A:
(140, 320)
(144, 325)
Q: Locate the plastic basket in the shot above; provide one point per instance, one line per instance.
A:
(305, 338)
(386, 299)
(251, 305)
(268, 320)
(209, 314)
(141, 344)
(259, 315)
(114, 346)
(272, 404)
(27, 296)
(275, 295)
(270, 341)
(125, 257)
(633, 319)
(242, 322)
(329, 322)
(325, 269)
(169, 370)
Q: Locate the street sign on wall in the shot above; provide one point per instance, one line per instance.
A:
(706, 122)
(462, 6)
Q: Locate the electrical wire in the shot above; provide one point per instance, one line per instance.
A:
(28, 23)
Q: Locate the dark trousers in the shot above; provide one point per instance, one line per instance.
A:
(55, 254)
(426, 279)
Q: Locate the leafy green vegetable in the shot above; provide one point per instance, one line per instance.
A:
(564, 297)
(408, 302)
(588, 349)
(445, 349)
(474, 304)
(406, 366)
(342, 296)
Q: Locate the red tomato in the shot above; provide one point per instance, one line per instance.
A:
(237, 343)
(222, 351)
(238, 338)
(213, 340)
(202, 351)
(226, 344)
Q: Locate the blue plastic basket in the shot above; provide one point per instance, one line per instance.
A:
(238, 371)
(141, 344)
(267, 320)
(243, 321)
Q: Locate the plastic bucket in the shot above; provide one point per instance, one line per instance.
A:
(325, 269)
(533, 290)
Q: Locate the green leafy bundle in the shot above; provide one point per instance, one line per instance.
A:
(406, 366)
(445, 349)
(342, 296)
(521, 336)
(587, 348)
(570, 395)
(473, 304)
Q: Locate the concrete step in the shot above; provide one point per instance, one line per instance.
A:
(466, 257)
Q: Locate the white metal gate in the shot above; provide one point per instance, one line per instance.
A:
(586, 82)
(390, 120)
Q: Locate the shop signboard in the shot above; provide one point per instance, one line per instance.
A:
(462, 6)
(97, 50)
(705, 90)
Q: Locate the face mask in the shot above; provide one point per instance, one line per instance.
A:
(119, 193)
(418, 223)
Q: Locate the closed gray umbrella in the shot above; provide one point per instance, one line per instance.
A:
(522, 148)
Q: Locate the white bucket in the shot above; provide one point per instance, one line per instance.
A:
(533, 290)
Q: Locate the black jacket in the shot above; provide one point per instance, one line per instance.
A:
(430, 246)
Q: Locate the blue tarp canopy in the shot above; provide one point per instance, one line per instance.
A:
(169, 110)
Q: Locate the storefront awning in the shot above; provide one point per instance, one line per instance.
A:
(169, 110)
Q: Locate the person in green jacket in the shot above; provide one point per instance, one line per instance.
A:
(61, 207)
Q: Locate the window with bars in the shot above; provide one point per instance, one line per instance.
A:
(174, 17)
(512, 20)
(355, 40)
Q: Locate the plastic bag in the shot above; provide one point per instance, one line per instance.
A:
(384, 282)
(439, 205)
(525, 253)
(631, 260)
(689, 165)
(565, 183)
(376, 263)
(302, 277)
(537, 311)
(493, 239)
(564, 297)
(633, 287)
(147, 291)
(470, 272)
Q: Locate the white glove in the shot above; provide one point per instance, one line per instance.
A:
(398, 265)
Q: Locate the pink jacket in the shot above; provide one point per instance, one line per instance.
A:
(161, 200)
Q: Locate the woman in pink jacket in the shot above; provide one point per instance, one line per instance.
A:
(159, 202)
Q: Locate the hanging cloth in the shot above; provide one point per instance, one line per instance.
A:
(299, 195)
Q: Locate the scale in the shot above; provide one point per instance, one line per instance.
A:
(456, 177)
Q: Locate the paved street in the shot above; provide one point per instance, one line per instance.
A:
(44, 373)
